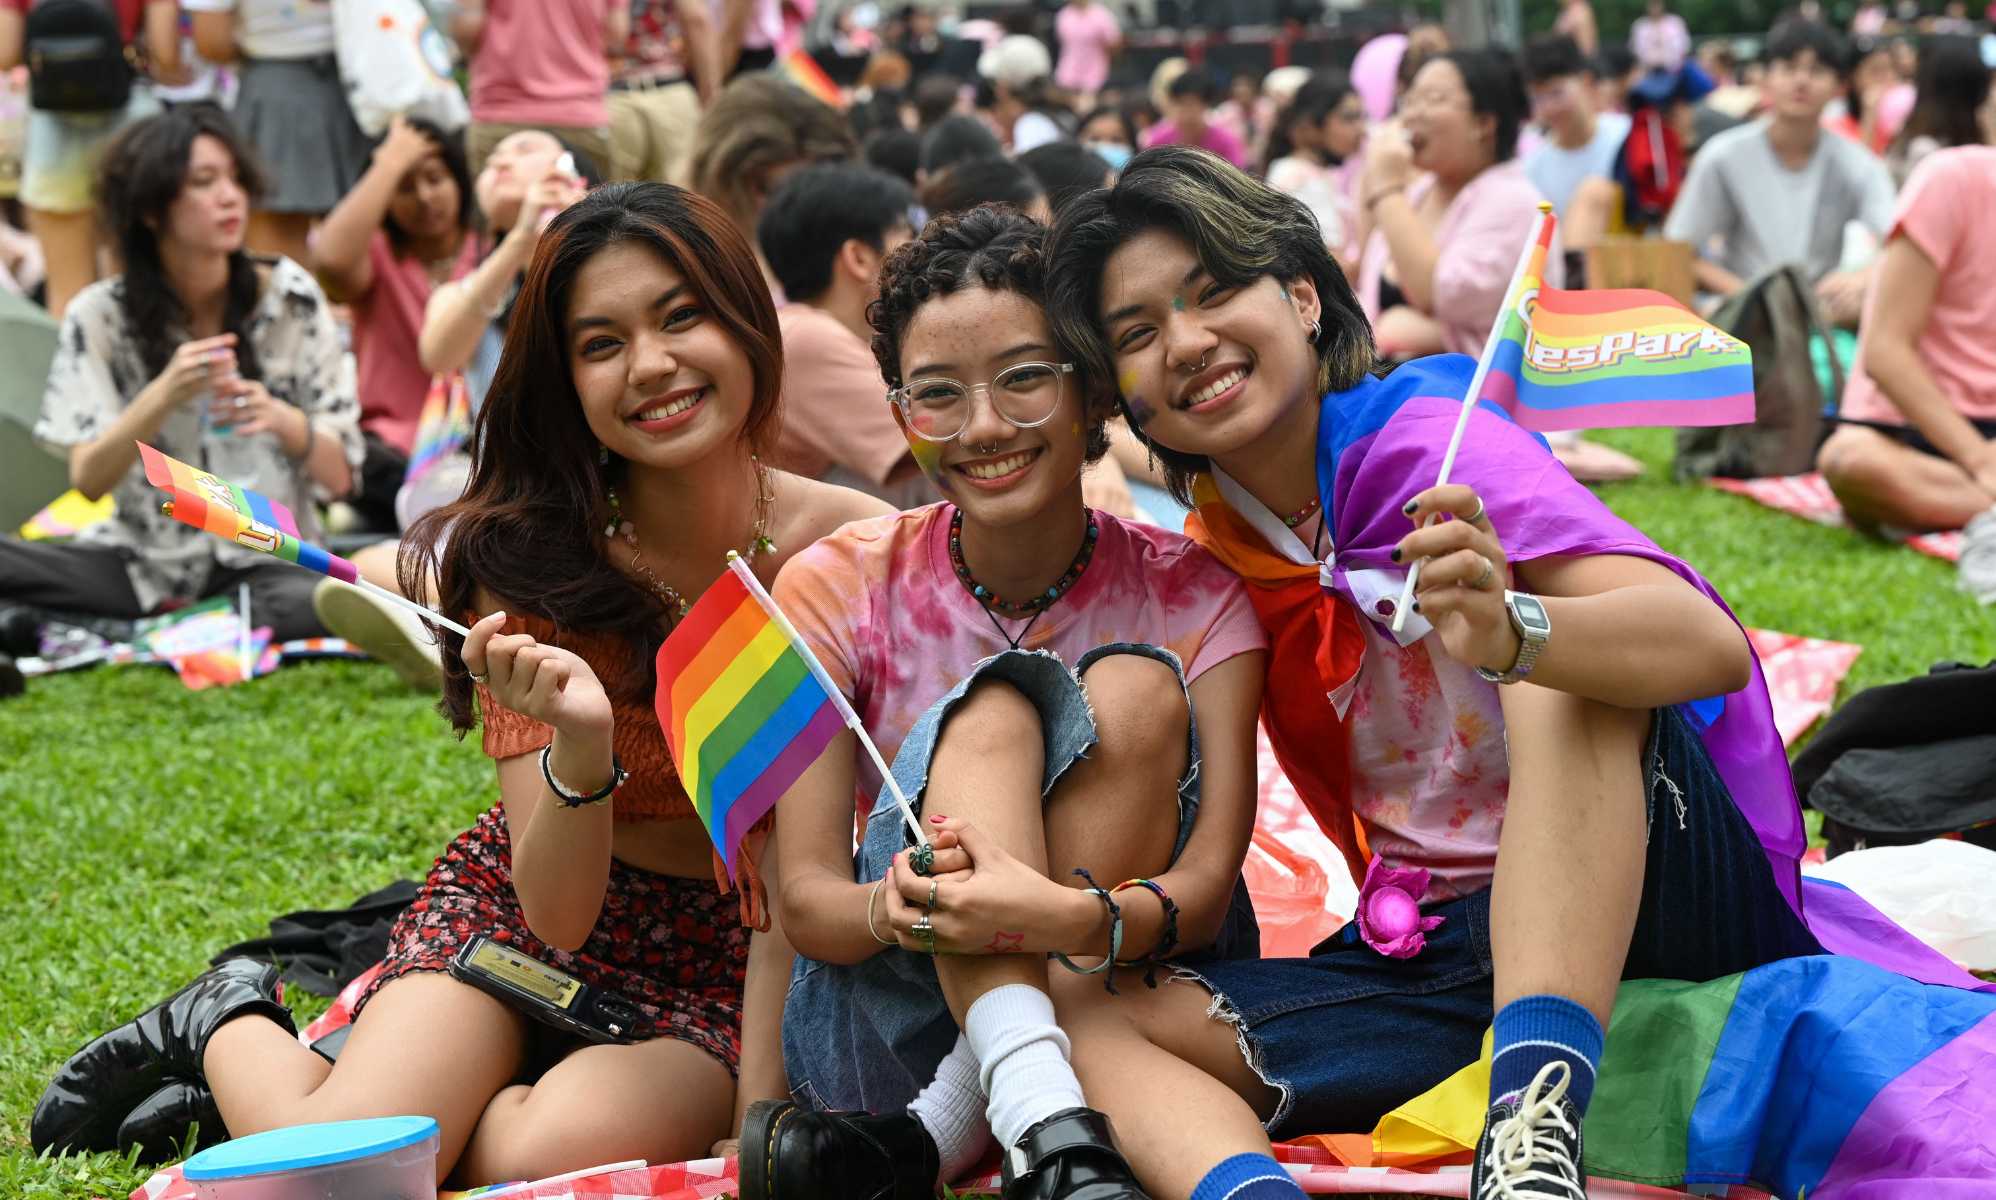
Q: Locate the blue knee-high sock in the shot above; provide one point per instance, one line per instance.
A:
(1247, 1177)
(1536, 1030)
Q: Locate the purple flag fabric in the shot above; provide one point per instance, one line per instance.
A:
(1383, 441)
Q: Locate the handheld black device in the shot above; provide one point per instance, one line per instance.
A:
(545, 993)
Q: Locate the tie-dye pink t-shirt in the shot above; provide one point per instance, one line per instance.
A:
(880, 605)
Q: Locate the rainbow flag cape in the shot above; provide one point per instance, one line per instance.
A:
(444, 426)
(237, 514)
(1809, 1077)
(801, 69)
(745, 706)
(1601, 359)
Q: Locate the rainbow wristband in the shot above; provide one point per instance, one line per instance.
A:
(1166, 942)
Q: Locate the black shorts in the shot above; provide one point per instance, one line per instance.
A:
(1908, 436)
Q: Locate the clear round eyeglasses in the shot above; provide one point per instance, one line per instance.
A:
(1026, 394)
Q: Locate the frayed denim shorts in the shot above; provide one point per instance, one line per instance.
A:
(869, 1036)
(1347, 1035)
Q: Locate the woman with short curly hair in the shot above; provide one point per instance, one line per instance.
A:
(1067, 698)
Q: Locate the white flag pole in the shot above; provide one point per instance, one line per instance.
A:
(1511, 299)
(427, 613)
(741, 569)
(243, 636)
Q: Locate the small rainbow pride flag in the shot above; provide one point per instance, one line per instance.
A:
(1601, 359)
(801, 69)
(241, 516)
(444, 426)
(746, 707)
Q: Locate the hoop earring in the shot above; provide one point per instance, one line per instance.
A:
(1316, 331)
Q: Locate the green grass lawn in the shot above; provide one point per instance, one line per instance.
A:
(146, 827)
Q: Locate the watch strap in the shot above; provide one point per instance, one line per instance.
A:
(1528, 648)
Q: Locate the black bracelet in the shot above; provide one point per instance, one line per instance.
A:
(1107, 967)
(1167, 941)
(567, 796)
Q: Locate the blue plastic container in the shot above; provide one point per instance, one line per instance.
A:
(388, 1158)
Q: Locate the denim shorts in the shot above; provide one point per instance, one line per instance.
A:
(869, 1036)
(1347, 1034)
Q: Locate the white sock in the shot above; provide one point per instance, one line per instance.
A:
(1022, 1059)
(951, 1108)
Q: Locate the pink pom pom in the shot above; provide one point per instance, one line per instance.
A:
(1389, 910)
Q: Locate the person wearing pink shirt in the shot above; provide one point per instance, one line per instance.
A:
(1916, 447)
(1089, 36)
(1449, 205)
(1660, 39)
(540, 64)
(825, 233)
(405, 229)
(1189, 121)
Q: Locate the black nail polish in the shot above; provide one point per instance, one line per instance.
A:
(1396, 554)
(1410, 506)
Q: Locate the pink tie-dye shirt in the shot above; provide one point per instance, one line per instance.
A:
(880, 605)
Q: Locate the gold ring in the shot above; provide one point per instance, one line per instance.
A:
(475, 676)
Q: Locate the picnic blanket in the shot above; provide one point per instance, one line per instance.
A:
(1315, 1169)
(1809, 497)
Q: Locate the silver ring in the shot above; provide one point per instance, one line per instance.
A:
(922, 927)
(1483, 581)
(475, 676)
(242, 401)
(934, 885)
(1476, 516)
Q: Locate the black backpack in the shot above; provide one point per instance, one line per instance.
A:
(1776, 316)
(77, 61)
(1907, 762)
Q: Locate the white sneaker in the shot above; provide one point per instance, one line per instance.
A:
(386, 631)
(1976, 572)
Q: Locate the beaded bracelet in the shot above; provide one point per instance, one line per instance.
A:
(1105, 968)
(1166, 942)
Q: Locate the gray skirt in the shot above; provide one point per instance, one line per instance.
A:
(294, 112)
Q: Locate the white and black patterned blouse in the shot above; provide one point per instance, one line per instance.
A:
(98, 370)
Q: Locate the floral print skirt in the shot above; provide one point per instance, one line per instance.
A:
(676, 948)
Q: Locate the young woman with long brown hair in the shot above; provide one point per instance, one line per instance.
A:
(616, 466)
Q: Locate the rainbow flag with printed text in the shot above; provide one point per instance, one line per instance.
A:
(238, 515)
(745, 706)
(1602, 359)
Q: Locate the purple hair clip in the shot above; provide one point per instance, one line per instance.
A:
(1389, 909)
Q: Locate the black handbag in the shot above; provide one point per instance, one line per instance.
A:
(77, 58)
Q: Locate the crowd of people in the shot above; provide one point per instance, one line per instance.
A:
(949, 366)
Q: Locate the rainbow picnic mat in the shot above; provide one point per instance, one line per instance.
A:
(1817, 1077)
(1601, 359)
(238, 515)
(744, 708)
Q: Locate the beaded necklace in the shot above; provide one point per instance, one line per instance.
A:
(759, 543)
(1030, 609)
(1303, 514)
